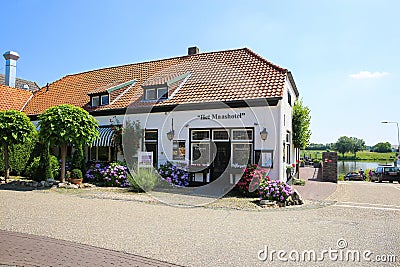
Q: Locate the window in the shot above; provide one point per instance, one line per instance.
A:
(242, 135)
(289, 98)
(151, 135)
(220, 135)
(241, 154)
(93, 153)
(178, 150)
(150, 94)
(95, 101)
(201, 135)
(156, 93)
(100, 100)
(162, 93)
(264, 158)
(105, 100)
(201, 154)
(102, 153)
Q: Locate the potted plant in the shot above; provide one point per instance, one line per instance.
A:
(75, 177)
(317, 163)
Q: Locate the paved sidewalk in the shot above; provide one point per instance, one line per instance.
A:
(30, 250)
(314, 189)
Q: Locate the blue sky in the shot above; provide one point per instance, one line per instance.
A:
(343, 54)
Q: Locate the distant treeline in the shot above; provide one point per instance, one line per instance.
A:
(381, 147)
(314, 146)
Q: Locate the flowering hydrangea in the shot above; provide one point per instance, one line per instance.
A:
(174, 174)
(275, 190)
(251, 179)
(94, 173)
(115, 175)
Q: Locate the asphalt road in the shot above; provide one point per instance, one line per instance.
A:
(363, 218)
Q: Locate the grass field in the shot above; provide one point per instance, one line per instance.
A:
(361, 155)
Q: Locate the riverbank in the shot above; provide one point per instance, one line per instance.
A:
(361, 155)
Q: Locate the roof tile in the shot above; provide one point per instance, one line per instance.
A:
(229, 75)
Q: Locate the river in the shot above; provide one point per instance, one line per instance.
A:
(348, 166)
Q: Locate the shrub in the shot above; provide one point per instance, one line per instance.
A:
(78, 159)
(173, 174)
(94, 173)
(18, 158)
(33, 172)
(76, 173)
(144, 179)
(115, 174)
(274, 190)
(250, 181)
(299, 182)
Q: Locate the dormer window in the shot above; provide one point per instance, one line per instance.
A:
(156, 93)
(105, 100)
(100, 100)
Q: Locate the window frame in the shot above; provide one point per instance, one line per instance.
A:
(101, 100)
(146, 97)
(163, 96)
(98, 100)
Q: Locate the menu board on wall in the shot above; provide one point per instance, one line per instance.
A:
(145, 159)
(264, 158)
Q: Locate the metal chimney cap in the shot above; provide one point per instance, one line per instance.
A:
(11, 55)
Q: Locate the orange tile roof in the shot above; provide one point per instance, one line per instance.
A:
(229, 75)
(13, 98)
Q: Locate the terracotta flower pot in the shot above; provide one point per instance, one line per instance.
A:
(75, 180)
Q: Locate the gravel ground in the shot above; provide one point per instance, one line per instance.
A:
(213, 236)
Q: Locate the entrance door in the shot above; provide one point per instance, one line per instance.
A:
(221, 159)
(151, 144)
(152, 147)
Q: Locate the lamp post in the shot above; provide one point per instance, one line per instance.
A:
(398, 133)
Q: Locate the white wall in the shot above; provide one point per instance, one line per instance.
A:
(256, 118)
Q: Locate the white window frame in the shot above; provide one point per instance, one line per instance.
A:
(220, 130)
(202, 140)
(159, 95)
(241, 130)
(101, 100)
(93, 98)
(147, 94)
(233, 164)
(209, 152)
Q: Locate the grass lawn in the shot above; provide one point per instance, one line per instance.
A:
(361, 155)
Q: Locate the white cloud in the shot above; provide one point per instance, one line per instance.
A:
(368, 75)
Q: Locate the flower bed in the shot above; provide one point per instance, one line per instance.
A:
(174, 174)
(275, 191)
(249, 183)
(114, 174)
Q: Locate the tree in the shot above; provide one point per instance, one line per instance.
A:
(357, 145)
(382, 147)
(343, 145)
(15, 128)
(301, 125)
(66, 124)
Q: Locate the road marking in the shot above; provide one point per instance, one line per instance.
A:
(371, 204)
(366, 207)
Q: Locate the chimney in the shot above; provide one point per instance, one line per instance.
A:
(11, 67)
(193, 50)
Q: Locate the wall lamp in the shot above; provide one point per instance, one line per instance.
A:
(264, 134)
(171, 134)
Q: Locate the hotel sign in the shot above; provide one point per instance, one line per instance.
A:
(224, 116)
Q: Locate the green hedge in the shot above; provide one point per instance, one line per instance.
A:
(32, 170)
(18, 158)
